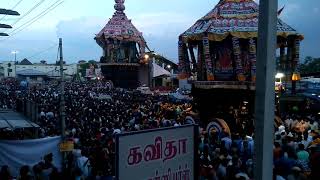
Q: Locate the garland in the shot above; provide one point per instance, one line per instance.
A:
(209, 67)
(296, 53)
(253, 58)
(186, 59)
(237, 58)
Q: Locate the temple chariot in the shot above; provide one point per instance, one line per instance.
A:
(218, 56)
(124, 60)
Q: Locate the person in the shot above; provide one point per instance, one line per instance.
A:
(47, 166)
(83, 163)
(222, 168)
(296, 174)
(227, 141)
(277, 151)
(284, 164)
(5, 173)
(315, 162)
(302, 154)
(25, 173)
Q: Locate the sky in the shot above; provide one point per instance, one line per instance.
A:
(161, 21)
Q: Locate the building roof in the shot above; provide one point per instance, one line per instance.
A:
(31, 72)
(13, 120)
(158, 71)
(54, 73)
(119, 27)
(162, 59)
(25, 62)
(238, 18)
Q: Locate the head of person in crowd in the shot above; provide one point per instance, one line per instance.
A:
(5, 173)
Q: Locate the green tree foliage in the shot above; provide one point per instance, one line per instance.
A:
(310, 65)
(85, 66)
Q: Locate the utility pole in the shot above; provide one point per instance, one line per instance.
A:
(62, 100)
(265, 93)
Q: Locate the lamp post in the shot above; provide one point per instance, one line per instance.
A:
(15, 55)
(15, 52)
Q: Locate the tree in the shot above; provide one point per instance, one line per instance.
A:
(85, 66)
(310, 65)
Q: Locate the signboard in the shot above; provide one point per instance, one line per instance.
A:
(167, 153)
(66, 146)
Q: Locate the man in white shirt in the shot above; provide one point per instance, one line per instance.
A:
(83, 163)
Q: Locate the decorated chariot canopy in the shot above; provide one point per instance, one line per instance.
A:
(226, 42)
(119, 38)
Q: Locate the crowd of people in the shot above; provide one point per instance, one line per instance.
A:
(296, 152)
(95, 112)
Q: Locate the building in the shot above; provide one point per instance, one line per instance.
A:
(164, 71)
(25, 68)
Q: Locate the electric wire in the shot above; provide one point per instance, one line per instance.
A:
(43, 51)
(12, 9)
(37, 17)
(34, 19)
(28, 12)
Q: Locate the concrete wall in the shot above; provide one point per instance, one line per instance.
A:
(71, 69)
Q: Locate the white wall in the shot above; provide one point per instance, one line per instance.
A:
(71, 69)
(5, 66)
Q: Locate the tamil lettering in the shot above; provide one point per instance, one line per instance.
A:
(135, 156)
(180, 174)
(156, 151)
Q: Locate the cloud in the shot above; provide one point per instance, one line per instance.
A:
(160, 26)
(161, 31)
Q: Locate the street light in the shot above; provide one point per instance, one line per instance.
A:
(169, 66)
(9, 12)
(279, 75)
(6, 26)
(15, 52)
(15, 55)
(4, 34)
(146, 56)
(295, 77)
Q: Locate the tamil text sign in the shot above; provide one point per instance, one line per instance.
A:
(162, 154)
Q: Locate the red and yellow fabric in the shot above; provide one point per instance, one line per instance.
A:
(253, 58)
(207, 57)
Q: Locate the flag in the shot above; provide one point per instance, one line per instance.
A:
(280, 11)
